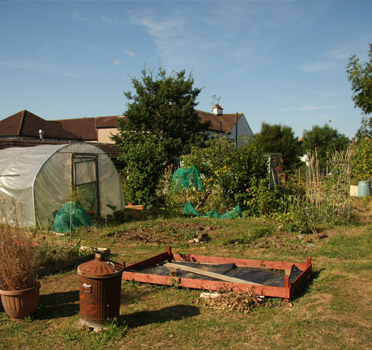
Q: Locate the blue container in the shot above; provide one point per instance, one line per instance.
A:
(364, 188)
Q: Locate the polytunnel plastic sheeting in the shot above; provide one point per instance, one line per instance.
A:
(36, 181)
(18, 169)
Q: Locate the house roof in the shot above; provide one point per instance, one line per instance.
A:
(85, 128)
(220, 123)
(27, 124)
(112, 122)
(109, 149)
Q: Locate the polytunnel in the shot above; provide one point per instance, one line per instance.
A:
(35, 182)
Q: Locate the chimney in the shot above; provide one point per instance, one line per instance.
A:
(217, 109)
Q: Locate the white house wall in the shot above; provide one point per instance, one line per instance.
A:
(244, 130)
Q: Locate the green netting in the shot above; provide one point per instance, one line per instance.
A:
(76, 213)
(190, 210)
(183, 179)
(232, 214)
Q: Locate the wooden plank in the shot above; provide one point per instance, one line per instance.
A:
(209, 274)
(150, 261)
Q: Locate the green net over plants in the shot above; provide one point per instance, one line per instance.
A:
(184, 179)
(232, 214)
(71, 216)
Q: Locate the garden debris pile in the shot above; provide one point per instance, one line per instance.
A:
(230, 300)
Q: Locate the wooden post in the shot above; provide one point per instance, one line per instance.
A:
(169, 251)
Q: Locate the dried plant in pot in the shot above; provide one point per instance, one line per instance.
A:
(19, 288)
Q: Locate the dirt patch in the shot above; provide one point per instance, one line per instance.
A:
(297, 242)
(163, 233)
(362, 209)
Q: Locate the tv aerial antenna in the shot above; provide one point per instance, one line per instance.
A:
(215, 100)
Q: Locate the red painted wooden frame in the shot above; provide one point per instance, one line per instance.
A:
(285, 292)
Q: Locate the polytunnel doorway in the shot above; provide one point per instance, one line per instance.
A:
(85, 182)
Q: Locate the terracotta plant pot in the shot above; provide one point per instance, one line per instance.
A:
(20, 303)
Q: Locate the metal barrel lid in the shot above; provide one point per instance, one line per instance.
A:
(100, 268)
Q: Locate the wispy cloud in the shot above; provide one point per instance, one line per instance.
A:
(346, 49)
(316, 66)
(117, 62)
(98, 20)
(337, 55)
(130, 53)
(169, 34)
(182, 39)
(211, 35)
(42, 67)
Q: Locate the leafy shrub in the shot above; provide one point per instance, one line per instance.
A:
(362, 160)
(262, 200)
(144, 156)
(227, 172)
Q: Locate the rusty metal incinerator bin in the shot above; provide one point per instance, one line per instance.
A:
(99, 291)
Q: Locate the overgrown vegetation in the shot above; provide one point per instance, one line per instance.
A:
(232, 176)
(325, 198)
(229, 174)
(16, 259)
(362, 160)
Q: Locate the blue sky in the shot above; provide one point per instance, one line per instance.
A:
(275, 61)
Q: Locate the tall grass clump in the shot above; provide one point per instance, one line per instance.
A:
(16, 257)
(16, 251)
(326, 197)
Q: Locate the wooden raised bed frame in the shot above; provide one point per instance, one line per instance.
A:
(285, 292)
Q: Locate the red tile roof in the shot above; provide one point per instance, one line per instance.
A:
(220, 123)
(86, 128)
(108, 123)
(27, 124)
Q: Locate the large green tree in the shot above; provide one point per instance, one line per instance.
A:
(161, 124)
(360, 76)
(324, 140)
(164, 105)
(277, 138)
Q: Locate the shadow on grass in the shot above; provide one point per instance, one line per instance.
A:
(171, 313)
(306, 286)
(57, 305)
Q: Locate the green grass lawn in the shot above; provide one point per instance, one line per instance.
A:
(332, 311)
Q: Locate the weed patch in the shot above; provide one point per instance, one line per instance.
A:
(348, 247)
